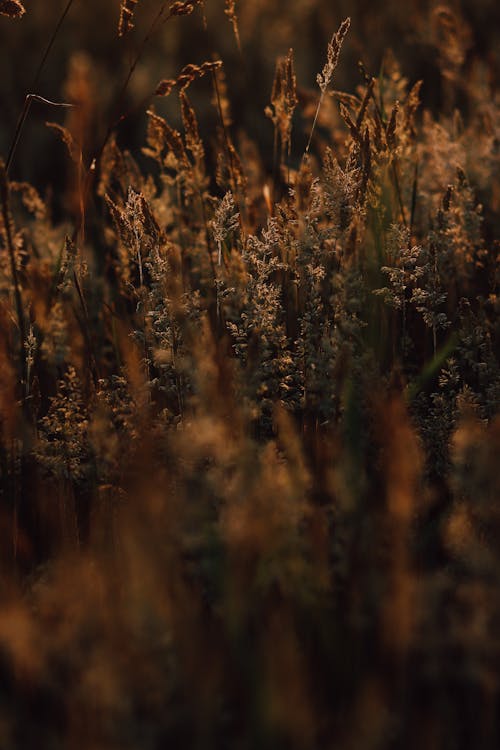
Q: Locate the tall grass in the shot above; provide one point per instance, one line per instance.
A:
(249, 414)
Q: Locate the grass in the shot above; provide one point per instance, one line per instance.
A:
(249, 411)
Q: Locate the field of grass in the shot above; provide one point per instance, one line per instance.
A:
(249, 375)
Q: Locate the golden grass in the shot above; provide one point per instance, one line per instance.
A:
(249, 415)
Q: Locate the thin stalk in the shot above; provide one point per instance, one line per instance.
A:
(394, 163)
(207, 234)
(86, 331)
(51, 43)
(229, 155)
(434, 332)
(139, 256)
(403, 337)
(15, 514)
(4, 196)
(27, 102)
(123, 90)
(314, 122)
(289, 156)
(414, 198)
(225, 132)
(275, 161)
(398, 191)
(114, 335)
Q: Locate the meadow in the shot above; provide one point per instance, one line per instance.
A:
(249, 375)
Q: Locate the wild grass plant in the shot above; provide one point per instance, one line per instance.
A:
(249, 409)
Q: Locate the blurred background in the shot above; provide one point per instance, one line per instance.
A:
(313, 590)
(431, 41)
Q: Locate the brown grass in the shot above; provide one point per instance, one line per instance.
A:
(249, 412)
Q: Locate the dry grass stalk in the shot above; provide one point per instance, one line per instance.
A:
(74, 149)
(230, 11)
(325, 77)
(284, 101)
(8, 239)
(226, 221)
(188, 74)
(241, 476)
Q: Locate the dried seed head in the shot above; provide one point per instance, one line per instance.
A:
(324, 78)
(364, 104)
(353, 128)
(183, 7)
(367, 162)
(447, 198)
(30, 345)
(126, 22)
(226, 221)
(284, 98)
(161, 136)
(190, 122)
(188, 74)
(165, 87)
(230, 11)
(68, 139)
(12, 8)
(391, 127)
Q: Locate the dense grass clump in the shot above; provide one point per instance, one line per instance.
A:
(249, 396)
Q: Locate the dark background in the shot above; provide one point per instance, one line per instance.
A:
(268, 28)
